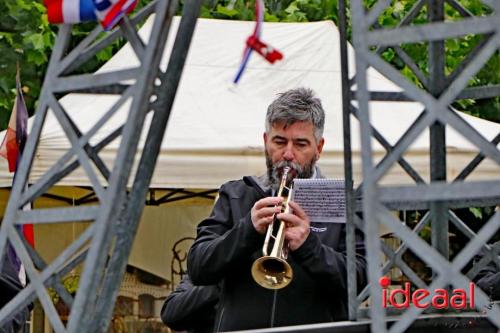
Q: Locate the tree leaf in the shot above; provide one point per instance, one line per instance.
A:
(225, 11)
(477, 212)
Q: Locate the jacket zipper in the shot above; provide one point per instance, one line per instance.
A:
(273, 313)
(220, 319)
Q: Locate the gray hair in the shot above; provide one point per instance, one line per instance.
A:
(294, 105)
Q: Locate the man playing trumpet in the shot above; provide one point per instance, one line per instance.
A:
(231, 239)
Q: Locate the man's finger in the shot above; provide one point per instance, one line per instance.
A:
(267, 211)
(265, 221)
(297, 210)
(269, 201)
(289, 218)
(295, 233)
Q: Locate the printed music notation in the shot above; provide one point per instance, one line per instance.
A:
(322, 199)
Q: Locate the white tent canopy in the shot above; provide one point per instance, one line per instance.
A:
(215, 129)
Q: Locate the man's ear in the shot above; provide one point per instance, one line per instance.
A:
(264, 136)
(320, 145)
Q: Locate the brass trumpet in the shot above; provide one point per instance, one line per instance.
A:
(271, 271)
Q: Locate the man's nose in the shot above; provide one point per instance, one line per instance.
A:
(288, 153)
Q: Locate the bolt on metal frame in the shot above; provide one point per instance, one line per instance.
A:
(103, 248)
(439, 195)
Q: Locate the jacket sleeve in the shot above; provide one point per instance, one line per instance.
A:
(221, 242)
(328, 265)
(9, 287)
(16, 322)
(490, 284)
(488, 278)
(189, 306)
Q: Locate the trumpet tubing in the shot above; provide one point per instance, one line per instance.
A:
(272, 271)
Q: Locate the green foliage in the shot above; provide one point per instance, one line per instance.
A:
(227, 12)
(25, 38)
(70, 283)
(457, 51)
(477, 212)
(276, 10)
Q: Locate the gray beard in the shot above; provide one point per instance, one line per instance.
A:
(274, 171)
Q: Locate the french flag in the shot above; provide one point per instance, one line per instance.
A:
(12, 148)
(70, 11)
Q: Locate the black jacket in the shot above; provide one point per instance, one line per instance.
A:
(190, 308)
(226, 246)
(488, 278)
(9, 287)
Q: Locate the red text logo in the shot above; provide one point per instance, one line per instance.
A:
(440, 299)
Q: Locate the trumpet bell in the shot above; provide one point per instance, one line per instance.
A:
(272, 272)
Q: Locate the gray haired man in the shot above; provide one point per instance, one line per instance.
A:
(231, 238)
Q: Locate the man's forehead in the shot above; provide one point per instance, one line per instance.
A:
(304, 125)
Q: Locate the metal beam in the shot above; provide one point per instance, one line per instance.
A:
(438, 93)
(103, 248)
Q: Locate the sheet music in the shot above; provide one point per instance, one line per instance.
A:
(322, 199)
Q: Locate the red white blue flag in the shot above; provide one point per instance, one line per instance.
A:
(17, 132)
(11, 148)
(70, 11)
(254, 43)
(110, 12)
(107, 12)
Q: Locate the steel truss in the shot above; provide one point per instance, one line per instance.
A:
(155, 197)
(103, 248)
(439, 195)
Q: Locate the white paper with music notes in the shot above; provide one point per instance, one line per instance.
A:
(323, 199)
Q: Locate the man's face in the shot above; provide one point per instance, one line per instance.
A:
(294, 146)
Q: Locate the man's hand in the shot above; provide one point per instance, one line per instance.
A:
(297, 226)
(263, 211)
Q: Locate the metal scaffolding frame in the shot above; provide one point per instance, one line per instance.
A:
(439, 195)
(103, 248)
(154, 197)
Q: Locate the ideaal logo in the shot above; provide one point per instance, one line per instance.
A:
(441, 298)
